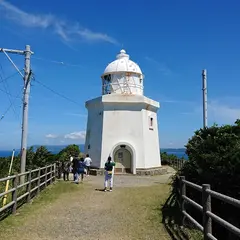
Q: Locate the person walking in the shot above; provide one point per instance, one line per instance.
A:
(80, 170)
(75, 168)
(66, 170)
(109, 167)
(88, 162)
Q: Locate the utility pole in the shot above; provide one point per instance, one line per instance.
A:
(26, 91)
(204, 88)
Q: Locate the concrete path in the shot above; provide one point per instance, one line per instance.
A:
(131, 211)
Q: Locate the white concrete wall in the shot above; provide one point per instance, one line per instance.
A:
(123, 120)
(151, 140)
(123, 126)
(94, 134)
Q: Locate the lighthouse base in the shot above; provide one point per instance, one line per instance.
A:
(139, 172)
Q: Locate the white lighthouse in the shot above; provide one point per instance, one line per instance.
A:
(122, 123)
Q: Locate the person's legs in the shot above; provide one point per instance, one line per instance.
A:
(67, 176)
(88, 170)
(82, 176)
(106, 181)
(76, 177)
(64, 176)
(111, 182)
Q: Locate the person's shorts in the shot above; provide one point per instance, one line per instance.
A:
(80, 171)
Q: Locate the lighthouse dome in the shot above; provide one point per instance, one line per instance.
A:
(122, 64)
(122, 76)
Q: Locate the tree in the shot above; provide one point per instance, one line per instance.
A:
(166, 159)
(67, 152)
(41, 157)
(214, 158)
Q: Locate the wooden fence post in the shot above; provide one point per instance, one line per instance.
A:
(206, 203)
(39, 180)
(29, 186)
(14, 195)
(46, 176)
(182, 193)
(51, 169)
(55, 171)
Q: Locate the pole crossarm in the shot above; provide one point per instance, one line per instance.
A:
(13, 63)
(21, 52)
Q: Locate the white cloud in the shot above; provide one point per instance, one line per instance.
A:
(67, 31)
(51, 136)
(76, 135)
(222, 111)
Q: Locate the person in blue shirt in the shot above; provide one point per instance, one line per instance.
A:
(79, 170)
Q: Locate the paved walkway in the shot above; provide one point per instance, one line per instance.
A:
(131, 211)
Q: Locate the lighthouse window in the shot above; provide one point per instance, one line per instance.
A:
(151, 123)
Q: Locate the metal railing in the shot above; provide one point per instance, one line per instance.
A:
(205, 208)
(34, 181)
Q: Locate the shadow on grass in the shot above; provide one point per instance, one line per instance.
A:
(99, 189)
(171, 218)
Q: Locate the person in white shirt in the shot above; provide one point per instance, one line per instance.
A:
(88, 162)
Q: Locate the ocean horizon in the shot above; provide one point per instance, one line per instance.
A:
(179, 152)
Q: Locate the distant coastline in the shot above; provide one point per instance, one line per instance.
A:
(179, 152)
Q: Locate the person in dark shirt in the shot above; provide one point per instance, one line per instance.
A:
(66, 168)
(109, 168)
(74, 168)
(81, 169)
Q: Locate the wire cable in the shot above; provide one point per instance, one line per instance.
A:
(55, 92)
(57, 62)
(12, 75)
(6, 86)
(8, 93)
(11, 104)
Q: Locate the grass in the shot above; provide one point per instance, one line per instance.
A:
(172, 219)
(47, 196)
(141, 209)
(133, 213)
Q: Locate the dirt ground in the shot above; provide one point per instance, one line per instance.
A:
(131, 211)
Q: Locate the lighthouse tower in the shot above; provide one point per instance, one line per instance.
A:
(122, 123)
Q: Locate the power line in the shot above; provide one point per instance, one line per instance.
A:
(8, 93)
(55, 92)
(12, 75)
(57, 62)
(11, 104)
(6, 86)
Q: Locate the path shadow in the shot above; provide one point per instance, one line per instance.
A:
(171, 218)
(99, 189)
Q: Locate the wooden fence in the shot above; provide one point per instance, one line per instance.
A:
(176, 163)
(20, 192)
(205, 208)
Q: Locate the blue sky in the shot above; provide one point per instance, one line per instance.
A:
(172, 41)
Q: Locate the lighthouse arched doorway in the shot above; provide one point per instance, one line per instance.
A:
(123, 160)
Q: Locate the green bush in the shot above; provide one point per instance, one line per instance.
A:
(214, 158)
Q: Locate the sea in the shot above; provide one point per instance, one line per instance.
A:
(179, 152)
